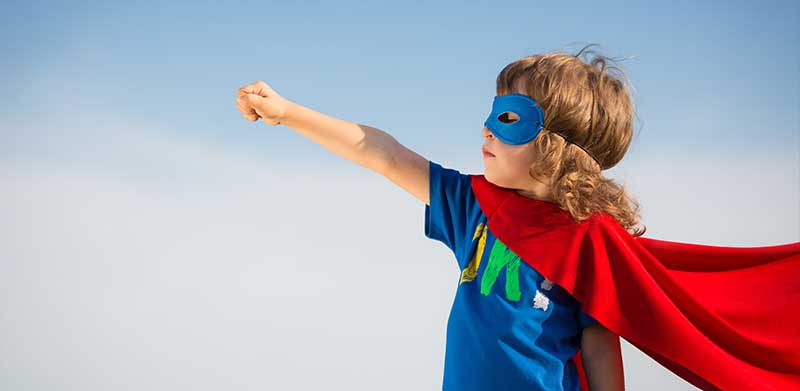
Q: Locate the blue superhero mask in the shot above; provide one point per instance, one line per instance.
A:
(521, 131)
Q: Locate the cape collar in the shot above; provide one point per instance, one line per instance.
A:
(493, 198)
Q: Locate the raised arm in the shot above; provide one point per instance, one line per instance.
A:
(364, 145)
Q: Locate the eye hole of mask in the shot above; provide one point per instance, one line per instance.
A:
(508, 117)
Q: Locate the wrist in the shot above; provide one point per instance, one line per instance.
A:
(289, 112)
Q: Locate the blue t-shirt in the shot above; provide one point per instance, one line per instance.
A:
(509, 328)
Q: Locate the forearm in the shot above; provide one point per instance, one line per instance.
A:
(364, 145)
(604, 370)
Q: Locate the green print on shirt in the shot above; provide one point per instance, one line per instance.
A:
(500, 257)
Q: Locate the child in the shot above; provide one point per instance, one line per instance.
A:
(537, 236)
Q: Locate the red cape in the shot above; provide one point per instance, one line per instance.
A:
(719, 317)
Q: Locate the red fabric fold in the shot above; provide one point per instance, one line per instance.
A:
(719, 317)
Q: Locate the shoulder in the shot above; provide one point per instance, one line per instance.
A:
(602, 220)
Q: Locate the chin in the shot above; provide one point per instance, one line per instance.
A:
(490, 178)
(500, 182)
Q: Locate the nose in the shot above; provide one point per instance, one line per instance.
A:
(486, 132)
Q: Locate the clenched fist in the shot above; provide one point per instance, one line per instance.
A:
(259, 100)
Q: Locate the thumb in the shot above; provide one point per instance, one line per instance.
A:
(252, 100)
(258, 105)
(244, 98)
(243, 101)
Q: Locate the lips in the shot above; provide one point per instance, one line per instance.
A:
(486, 153)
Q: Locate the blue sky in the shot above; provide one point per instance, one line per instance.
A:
(126, 170)
(708, 75)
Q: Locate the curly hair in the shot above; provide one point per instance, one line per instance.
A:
(588, 127)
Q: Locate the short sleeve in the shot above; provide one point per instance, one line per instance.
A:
(584, 320)
(453, 213)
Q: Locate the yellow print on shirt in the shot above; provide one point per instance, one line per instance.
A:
(471, 271)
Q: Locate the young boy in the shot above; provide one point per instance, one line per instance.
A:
(553, 269)
(554, 320)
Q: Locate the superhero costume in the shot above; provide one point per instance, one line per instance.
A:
(698, 310)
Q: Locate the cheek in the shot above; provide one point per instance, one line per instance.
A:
(510, 168)
(498, 171)
(510, 161)
(524, 158)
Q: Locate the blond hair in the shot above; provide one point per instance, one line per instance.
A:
(588, 127)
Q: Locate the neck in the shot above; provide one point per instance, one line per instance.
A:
(540, 192)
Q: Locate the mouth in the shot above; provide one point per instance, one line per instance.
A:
(486, 153)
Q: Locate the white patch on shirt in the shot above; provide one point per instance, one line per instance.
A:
(541, 301)
(547, 284)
